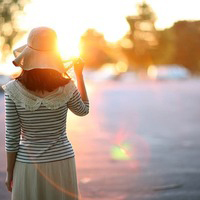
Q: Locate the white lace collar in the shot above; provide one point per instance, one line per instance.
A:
(20, 95)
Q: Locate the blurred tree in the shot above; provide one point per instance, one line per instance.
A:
(145, 12)
(143, 36)
(187, 43)
(144, 45)
(166, 48)
(94, 49)
(180, 45)
(9, 31)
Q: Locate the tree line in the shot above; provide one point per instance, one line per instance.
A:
(143, 45)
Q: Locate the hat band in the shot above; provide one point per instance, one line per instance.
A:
(39, 49)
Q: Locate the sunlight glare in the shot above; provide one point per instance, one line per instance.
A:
(70, 19)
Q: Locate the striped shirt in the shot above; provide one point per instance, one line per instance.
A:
(40, 135)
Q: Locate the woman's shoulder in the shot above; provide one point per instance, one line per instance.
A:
(69, 88)
(9, 85)
(69, 84)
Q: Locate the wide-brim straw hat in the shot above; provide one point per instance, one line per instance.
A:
(40, 51)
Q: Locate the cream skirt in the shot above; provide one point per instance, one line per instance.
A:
(45, 181)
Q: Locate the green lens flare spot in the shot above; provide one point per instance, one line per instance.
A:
(121, 152)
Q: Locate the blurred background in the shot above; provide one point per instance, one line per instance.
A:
(142, 64)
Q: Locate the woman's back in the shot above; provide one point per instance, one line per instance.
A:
(42, 121)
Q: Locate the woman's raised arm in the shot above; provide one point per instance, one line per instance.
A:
(78, 69)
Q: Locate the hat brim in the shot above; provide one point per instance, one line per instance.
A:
(17, 51)
(28, 58)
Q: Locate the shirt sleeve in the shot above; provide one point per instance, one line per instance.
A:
(77, 105)
(13, 127)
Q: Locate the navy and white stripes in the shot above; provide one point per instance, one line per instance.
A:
(40, 135)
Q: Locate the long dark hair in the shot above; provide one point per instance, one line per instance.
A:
(42, 79)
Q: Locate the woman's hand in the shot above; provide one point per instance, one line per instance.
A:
(8, 181)
(78, 69)
(78, 66)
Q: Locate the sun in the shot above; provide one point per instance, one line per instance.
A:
(66, 48)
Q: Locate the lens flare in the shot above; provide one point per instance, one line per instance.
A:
(130, 147)
(121, 149)
(54, 184)
(121, 152)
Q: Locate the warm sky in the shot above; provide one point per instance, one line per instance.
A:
(70, 18)
(107, 16)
